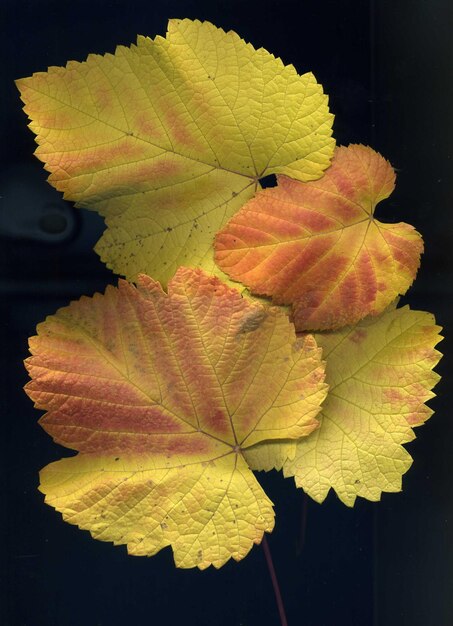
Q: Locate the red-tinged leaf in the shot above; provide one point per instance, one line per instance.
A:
(161, 394)
(167, 139)
(317, 245)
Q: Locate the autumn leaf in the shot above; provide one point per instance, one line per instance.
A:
(161, 394)
(380, 375)
(167, 139)
(318, 246)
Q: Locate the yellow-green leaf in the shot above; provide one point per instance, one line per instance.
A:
(161, 394)
(167, 139)
(380, 375)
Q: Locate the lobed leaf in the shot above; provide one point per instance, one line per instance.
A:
(380, 375)
(317, 245)
(161, 394)
(167, 139)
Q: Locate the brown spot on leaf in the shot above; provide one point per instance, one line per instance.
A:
(358, 335)
(251, 322)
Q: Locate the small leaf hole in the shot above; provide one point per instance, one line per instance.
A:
(268, 181)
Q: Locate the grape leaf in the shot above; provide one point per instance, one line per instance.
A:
(161, 394)
(317, 245)
(168, 138)
(380, 375)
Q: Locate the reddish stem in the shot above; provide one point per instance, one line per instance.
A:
(278, 596)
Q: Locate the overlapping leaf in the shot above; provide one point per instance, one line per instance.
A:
(161, 394)
(167, 139)
(317, 245)
(380, 375)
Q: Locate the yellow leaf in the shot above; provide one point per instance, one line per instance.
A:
(167, 139)
(208, 511)
(161, 394)
(380, 375)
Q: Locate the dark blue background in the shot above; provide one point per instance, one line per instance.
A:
(387, 67)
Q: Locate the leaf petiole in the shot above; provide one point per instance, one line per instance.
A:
(273, 575)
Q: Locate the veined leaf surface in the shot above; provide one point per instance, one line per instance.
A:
(161, 394)
(380, 375)
(167, 139)
(317, 245)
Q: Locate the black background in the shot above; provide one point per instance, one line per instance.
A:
(388, 68)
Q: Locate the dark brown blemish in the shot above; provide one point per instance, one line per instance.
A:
(251, 322)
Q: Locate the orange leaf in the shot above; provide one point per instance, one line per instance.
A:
(317, 245)
(160, 394)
